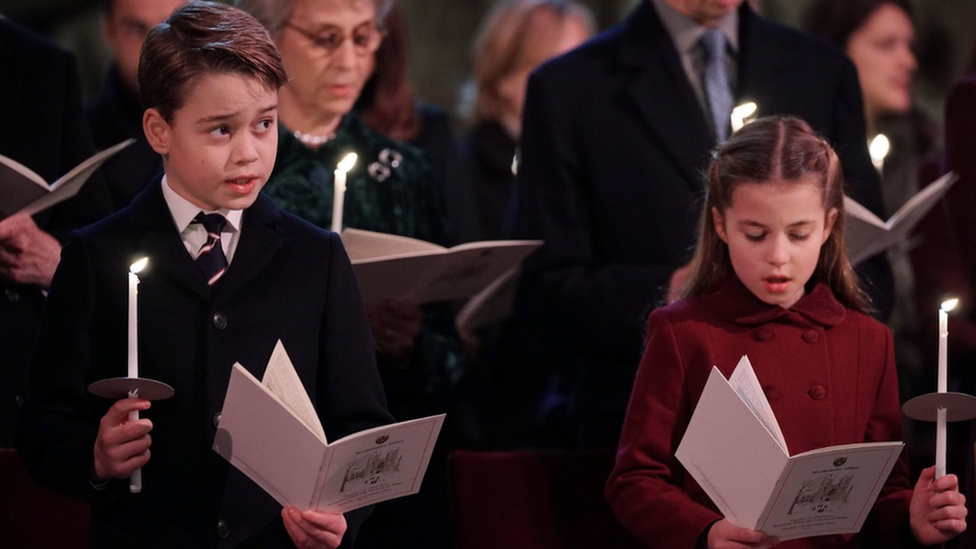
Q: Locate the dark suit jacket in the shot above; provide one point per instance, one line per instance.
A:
(288, 280)
(115, 115)
(613, 148)
(828, 373)
(960, 123)
(42, 127)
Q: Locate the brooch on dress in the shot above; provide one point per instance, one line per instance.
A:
(388, 161)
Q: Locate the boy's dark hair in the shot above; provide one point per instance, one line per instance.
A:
(201, 38)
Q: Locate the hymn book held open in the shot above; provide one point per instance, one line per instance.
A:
(270, 431)
(23, 190)
(393, 266)
(734, 449)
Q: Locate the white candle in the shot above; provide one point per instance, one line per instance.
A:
(940, 428)
(135, 481)
(339, 196)
(940, 444)
(133, 316)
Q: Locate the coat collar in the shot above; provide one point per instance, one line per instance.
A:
(660, 90)
(732, 301)
(160, 241)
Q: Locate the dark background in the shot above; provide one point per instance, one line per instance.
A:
(441, 32)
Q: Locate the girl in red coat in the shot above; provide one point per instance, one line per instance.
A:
(770, 280)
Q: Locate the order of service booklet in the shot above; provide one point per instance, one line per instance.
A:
(393, 266)
(867, 235)
(734, 449)
(25, 191)
(269, 430)
(489, 306)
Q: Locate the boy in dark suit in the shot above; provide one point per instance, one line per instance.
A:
(214, 294)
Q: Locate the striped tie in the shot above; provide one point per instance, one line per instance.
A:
(717, 89)
(210, 258)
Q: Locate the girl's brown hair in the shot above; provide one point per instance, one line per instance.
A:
(778, 150)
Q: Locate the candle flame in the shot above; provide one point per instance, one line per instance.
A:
(138, 265)
(949, 305)
(742, 115)
(347, 162)
(878, 149)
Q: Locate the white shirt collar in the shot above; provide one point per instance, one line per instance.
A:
(184, 211)
(685, 32)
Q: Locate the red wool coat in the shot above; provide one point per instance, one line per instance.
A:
(829, 375)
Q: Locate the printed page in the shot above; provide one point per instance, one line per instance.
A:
(867, 236)
(362, 245)
(489, 306)
(282, 380)
(262, 438)
(20, 185)
(470, 268)
(829, 490)
(424, 278)
(917, 206)
(730, 453)
(70, 183)
(377, 464)
(746, 384)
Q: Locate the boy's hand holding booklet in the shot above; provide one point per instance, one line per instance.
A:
(22, 190)
(270, 431)
(734, 449)
(867, 235)
(392, 266)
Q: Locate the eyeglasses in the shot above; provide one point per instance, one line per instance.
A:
(365, 38)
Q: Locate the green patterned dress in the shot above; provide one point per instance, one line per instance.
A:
(391, 189)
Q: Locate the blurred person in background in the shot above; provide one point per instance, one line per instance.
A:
(615, 136)
(879, 36)
(115, 114)
(329, 49)
(388, 104)
(515, 38)
(44, 129)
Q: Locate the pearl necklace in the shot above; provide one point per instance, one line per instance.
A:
(312, 139)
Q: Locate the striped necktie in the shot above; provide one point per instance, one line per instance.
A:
(717, 88)
(210, 258)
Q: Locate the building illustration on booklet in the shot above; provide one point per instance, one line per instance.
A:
(372, 468)
(821, 494)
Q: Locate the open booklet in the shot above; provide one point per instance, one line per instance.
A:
(867, 235)
(270, 431)
(491, 305)
(392, 266)
(734, 449)
(25, 191)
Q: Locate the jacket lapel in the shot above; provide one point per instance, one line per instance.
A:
(259, 243)
(661, 91)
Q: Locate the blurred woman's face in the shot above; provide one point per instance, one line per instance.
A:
(571, 34)
(882, 51)
(328, 47)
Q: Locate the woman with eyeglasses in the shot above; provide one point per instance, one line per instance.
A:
(329, 47)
